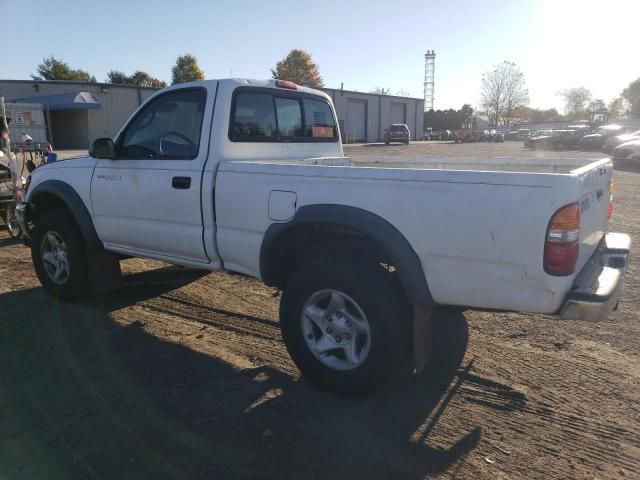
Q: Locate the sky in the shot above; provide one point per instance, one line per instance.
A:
(558, 44)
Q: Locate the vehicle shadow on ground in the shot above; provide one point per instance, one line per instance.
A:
(384, 145)
(7, 241)
(85, 397)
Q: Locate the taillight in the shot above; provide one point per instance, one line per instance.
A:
(611, 187)
(561, 247)
(286, 84)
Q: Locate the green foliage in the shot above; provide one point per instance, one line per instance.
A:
(298, 67)
(632, 95)
(617, 108)
(140, 78)
(186, 69)
(53, 68)
(448, 119)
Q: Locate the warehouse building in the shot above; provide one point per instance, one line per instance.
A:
(76, 113)
(364, 117)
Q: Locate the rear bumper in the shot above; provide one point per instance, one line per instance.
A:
(597, 287)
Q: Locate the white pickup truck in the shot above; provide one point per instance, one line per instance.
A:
(249, 176)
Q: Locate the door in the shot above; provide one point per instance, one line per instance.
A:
(398, 112)
(356, 120)
(148, 200)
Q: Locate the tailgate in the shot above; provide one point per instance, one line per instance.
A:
(594, 200)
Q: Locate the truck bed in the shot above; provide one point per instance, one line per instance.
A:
(468, 227)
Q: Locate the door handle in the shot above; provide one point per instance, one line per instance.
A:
(182, 183)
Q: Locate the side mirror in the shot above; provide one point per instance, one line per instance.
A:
(103, 148)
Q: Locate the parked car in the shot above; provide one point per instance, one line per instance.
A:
(627, 151)
(595, 141)
(535, 134)
(398, 132)
(613, 142)
(556, 140)
(250, 176)
(467, 136)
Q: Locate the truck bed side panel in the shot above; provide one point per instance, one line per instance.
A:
(480, 243)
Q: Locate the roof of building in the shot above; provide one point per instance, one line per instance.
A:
(65, 101)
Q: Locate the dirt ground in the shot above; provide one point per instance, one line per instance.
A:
(182, 374)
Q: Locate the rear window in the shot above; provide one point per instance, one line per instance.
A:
(398, 128)
(272, 116)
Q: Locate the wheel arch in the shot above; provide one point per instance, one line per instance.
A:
(55, 193)
(364, 228)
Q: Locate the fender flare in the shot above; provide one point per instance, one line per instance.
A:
(67, 195)
(392, 242)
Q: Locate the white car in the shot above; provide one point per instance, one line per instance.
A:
(627, 151)
(249, 176)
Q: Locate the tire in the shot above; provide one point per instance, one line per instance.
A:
(367, 290)
(11, 222)
(57, 236)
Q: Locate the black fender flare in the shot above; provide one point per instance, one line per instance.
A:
(70, 198)
(392, 242)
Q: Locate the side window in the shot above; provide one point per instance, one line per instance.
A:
(289, 117)
(318, 120)
(167, 128)
(253, 117)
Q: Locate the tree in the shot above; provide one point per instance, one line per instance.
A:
(467, 112)
(403, 93)
(597, 105)
(617, 108)
(632, 95)
(118, 77)
(380, 91)
(53, 68)
(576, 101)
(140, 78)
(298, 67)
(145, 80)
(503, 91)
(186, 69)
(448, 119)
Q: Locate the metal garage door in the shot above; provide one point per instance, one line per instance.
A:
(398, 113)
(357, 120)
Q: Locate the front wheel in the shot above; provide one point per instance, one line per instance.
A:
(59, 255)
(10, 220)
(345, 324)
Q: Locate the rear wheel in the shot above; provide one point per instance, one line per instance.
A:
(59, 255)
(345, 324)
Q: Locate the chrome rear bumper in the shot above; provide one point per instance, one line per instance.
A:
(597, 287)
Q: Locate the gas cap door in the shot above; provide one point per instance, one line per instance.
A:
(282, 205)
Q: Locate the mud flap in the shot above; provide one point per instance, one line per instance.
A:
(104, 271)
(422, 346)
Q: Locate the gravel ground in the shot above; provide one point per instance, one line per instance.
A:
(182, 374)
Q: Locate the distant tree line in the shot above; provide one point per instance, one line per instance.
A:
(297, 67)
(448, 119)
(186, 69)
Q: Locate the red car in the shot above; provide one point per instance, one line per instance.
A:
(398, 132)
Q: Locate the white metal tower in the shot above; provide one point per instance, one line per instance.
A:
(429, 78)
